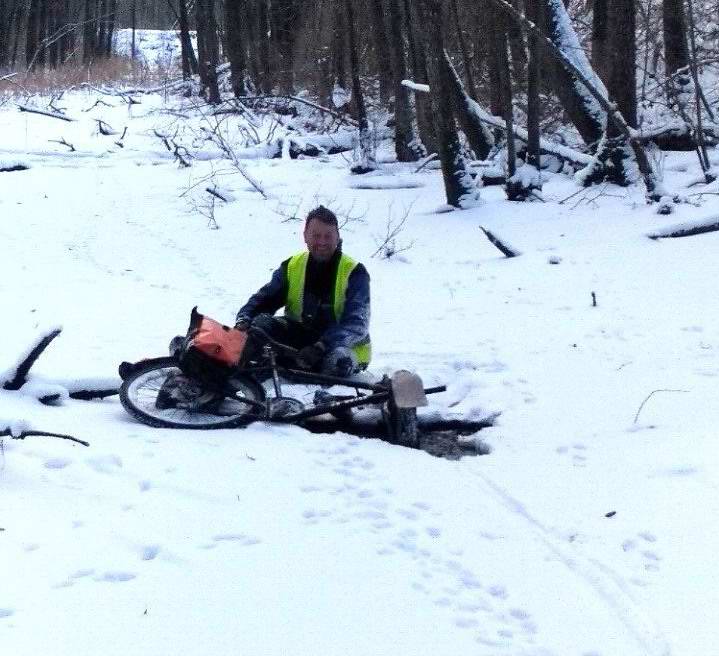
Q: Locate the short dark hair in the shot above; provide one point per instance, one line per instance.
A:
(323, 215)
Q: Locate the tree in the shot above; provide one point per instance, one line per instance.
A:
(367, 157)
(615, 60)
(235, 13)
(190, 65)
(208, 47)
(285, 15)
(382, 56)
(403, 132)
(458, 184)
(582, 108)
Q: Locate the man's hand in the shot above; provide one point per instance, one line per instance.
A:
(243, 324)
(310, 356)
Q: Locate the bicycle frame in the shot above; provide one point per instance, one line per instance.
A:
(380, 392)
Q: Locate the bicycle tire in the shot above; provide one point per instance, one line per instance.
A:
(139, 390)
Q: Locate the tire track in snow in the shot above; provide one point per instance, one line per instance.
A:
(607, 584)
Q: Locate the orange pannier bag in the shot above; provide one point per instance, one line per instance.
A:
(222, 344)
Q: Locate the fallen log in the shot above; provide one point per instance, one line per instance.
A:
(688, 229)
(304, 101)
(10, 168)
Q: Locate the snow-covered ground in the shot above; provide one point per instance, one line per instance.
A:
(589, 530)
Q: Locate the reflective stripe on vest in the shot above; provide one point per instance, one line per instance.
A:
(296, 271)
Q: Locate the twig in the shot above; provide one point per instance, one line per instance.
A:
(104, 128)
(62, 142)
(217, 194)
(649, 396)
(32, 433)
(564, 200)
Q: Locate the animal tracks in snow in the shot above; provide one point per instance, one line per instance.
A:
(356, 495)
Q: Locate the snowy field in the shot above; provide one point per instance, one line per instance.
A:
(590, 529)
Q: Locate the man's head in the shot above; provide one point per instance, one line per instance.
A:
(321, 234)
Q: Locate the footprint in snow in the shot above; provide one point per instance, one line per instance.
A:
(150, 551)
(57, 463)
(241, 538)
(116, 576)
(105, 464)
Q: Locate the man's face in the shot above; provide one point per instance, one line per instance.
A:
(321, 239)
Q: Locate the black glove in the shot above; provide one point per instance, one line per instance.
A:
(310, 356)
(243, 323)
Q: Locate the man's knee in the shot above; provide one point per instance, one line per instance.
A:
(340, 361)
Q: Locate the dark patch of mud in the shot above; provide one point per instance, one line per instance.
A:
(450, 438)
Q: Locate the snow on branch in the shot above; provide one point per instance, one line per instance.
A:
(416, 86)
(687, 228)
(42, 112)
(16, 377)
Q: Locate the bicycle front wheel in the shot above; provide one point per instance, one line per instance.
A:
(140, 390)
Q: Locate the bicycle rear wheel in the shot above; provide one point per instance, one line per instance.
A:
(140, 390)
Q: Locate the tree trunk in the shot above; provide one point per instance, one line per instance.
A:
(101, 27)
(534, 80)
(263, 17)
(235, 13)
(338, 46)
(32, 34)
(458, 183)
(676, 53)
(616, 60)
(88, 31)
(285, 16)
(208, 48)
(111, 23)
(593, 87)
(479, 138)
(190, 66)
(466, 62)
(599, 37)
(582, 109)
(404, 134)
(384, 63)
(422, 102)
(367, 161)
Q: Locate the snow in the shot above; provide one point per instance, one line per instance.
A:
(154, 48)
(589, 529)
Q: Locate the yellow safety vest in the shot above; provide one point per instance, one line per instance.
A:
(296, 270)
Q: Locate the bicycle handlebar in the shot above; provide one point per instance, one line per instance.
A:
(288, 350)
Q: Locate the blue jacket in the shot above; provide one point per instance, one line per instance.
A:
(351, 329)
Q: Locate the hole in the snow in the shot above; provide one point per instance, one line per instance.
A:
(444, 438)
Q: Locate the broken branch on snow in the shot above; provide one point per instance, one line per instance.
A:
(42, 112)
(687, 229)
(33, 433)
(502, 246)
(23, 368)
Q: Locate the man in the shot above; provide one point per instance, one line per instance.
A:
(326, 298)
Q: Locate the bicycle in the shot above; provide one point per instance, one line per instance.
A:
(242, 398)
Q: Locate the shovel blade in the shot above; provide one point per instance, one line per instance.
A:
(408, 390)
